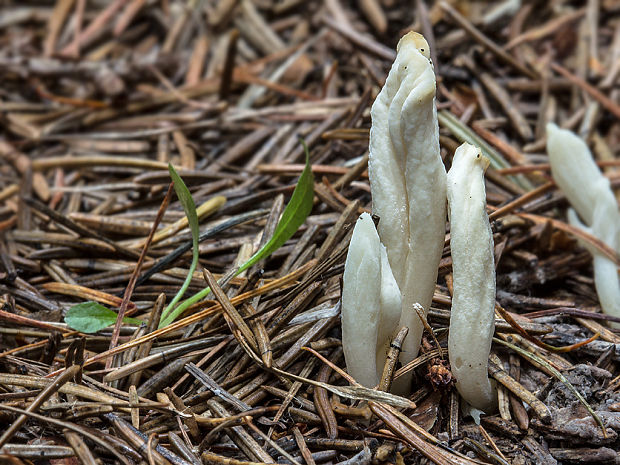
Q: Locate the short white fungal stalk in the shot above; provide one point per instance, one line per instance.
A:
(588, 192)
(408, 185)
(472, 320)
(370, 304)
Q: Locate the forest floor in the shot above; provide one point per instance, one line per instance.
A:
(97, 98)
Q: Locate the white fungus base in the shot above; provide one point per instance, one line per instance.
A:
(370, 304)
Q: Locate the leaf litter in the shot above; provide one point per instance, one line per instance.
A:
(99, 99)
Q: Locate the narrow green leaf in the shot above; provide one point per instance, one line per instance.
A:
(90, 317)
(185, 197)
(293, 217)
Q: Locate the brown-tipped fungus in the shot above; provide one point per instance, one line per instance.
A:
(408, 182)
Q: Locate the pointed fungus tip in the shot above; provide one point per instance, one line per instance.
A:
(416, 40)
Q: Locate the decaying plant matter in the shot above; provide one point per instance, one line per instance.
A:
(97, 98)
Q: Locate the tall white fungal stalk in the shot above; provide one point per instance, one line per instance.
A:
(370, 304)
(408, 181)
(588, 192)
(472, 320)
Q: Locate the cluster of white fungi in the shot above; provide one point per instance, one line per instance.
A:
(393, 267)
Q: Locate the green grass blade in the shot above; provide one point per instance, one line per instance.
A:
(185, 197)
(90, 317)
(293, 217)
